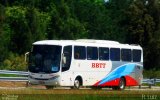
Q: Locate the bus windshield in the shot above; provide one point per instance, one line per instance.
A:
(45, 59)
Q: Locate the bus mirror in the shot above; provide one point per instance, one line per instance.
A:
(26, 56)
(64, 60)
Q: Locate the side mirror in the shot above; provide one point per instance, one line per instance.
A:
(26, 56)
(64, 59)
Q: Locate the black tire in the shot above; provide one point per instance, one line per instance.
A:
(77, 83)
(122, 84)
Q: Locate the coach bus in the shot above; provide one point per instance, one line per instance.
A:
(85, 62)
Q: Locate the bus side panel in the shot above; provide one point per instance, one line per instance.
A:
(66, 78)
(91, 71)
(127, 70)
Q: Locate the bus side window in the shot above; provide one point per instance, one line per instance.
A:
(126, 55)
(103, 53)
(76, 55)
(136, 55)
(115, 54)
(67, 54)
(92, 53)
(79, 52)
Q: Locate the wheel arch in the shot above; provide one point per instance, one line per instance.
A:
(79, 77)
(124, 79)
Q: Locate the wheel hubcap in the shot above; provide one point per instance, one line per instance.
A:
(121, 84)
(76, 83)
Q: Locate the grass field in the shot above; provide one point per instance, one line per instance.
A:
(68, 94)
(9, 75)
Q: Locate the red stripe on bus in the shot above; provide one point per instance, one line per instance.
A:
(130, 81)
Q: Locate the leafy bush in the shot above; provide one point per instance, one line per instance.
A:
(151, 73)
(14, 62)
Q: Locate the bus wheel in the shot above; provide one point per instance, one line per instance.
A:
(49, 87)
(76, 84)
(122, 84)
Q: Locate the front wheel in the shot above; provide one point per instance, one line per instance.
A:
(76, 84)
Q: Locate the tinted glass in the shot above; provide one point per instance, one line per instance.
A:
(126, 54)
(45, 58)
(115, 54)
(68, 55)
(136, 55)
(103, 53)
(92, 53)
(79, 52)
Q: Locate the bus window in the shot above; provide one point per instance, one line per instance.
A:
(115, 54)
(136, 55)
(68, 55)
(92, 53)
(103, 53)
(79, 52)
(126, 54)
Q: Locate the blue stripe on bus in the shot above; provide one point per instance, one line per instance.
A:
(119, 72)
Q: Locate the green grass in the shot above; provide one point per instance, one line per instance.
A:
(75, 97)
(157, 84)
(65, 94)
(10, 75)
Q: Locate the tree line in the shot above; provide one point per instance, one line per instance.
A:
(23, 22)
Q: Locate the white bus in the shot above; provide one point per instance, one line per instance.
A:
(84, 62)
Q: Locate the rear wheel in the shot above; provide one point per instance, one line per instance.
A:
(121, 84)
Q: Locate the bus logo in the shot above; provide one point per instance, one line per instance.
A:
(98, 65)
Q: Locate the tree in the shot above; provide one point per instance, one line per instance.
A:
(63, 25)
(142, 29)
(37, 23)
(116, 13)
(1, 18)
(2, 44)
(20, 40)
(131, 21)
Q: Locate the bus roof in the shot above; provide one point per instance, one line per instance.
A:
(88, 42)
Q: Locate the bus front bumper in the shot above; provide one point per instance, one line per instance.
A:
(49, 82)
